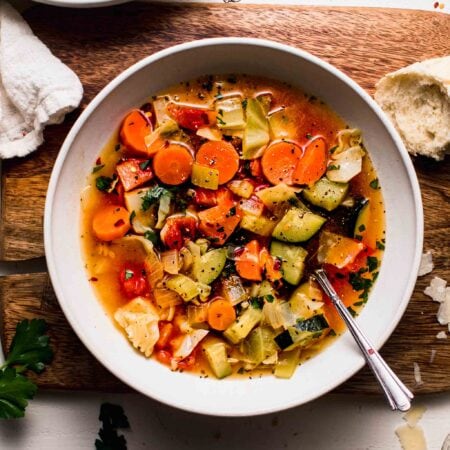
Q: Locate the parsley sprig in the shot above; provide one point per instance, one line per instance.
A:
(112, 418)
(29, 350)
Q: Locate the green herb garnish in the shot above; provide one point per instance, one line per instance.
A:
(244, 103)
(144, 165)
(151, 236)
(154, 195)
(362, 227)
(256, 302)
(128, 274)
(333, 167)
(104, 184)
(97, 168)
(29, 350)
(112, 418)
(380, 245)
(372, 263)
(374, 184)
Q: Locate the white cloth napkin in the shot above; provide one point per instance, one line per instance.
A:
(36, 88)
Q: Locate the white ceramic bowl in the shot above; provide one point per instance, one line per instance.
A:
(231, 397)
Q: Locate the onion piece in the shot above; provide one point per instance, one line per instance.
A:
(212, 134)
(171, 261)
(165, 298)
(345, 165)
(189, 343)
(233, 290)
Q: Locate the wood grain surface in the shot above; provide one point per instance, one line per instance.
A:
(99, 44)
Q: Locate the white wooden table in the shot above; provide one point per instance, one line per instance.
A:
(69, 420)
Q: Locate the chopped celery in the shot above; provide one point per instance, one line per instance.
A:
(216, 354)
(203, 244)
(287, 363)
(258, 225)
(184, 286)
(243, 325)
(204, 176)
(256, 132)
(230, 114)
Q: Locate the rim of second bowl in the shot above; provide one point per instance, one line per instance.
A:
(110, 87)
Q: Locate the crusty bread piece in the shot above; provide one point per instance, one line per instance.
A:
(417, 100)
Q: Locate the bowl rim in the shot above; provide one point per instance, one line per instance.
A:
(111, 86)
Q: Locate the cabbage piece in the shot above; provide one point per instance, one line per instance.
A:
(139, 318)
(189, 342)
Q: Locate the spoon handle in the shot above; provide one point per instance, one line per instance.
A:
(397, 394)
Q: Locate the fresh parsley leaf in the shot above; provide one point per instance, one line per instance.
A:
(244, 103)
(103, 183)
(30, 346)
(128, 274)
(333, 167)
(372, 263)
(362, 227)
(97, 168)
(220, 121)
(309, 136)
(151, 236)
(256, 302)
(232, 211)
(145, 164)
(132, 216)
(269, 298)
(15, 390)
(352, 311)
(374, 184)
(380, 245)
(153, 196)
(112, 418)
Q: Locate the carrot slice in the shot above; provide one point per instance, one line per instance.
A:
(173, 164)
(221, 314)
(313, 164)
(219, 221)
(279, 162)
(133, 131)
(220, 155)
(248, 262)
(111, 222)
(134, 172)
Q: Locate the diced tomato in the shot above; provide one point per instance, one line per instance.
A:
(176, 230)
(219, 221)
(256, 169)
(134, 173)
(248, 263)
(165, 334)
(361, 260)
(187, 363)
(190, 118)
(207, 197)
(133, 281)
(164, 356)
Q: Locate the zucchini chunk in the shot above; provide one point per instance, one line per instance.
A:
(258, 225)
(260, 345)
(211, 265)
(292, 260)
(298, 225)
(216, 354)
(326, 194)
(243, 325)
(287, 363)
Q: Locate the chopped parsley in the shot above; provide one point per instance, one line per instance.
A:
(333, 149)
(309, 136)
(244, 103)
(362, 227)
(380, 245)
(232, 212)
(352, 311)
(374, 184)
(128, 274)
(154, 195)
(104, 184)
(220, 121)
(151, 236)
(333, 167)
(269, 298)
(97, 168)
(132, 215)
(144, 165)
(256, 302)
(372, 263)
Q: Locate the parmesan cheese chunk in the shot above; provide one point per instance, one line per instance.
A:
(437, 289)
(413, 416)
(139, 318)
(441, 335)
(426, 264)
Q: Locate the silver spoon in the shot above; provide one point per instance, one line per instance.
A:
(397, 394)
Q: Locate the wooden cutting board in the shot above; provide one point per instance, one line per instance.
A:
(98, 44)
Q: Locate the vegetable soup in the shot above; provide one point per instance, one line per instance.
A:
(205, 216)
